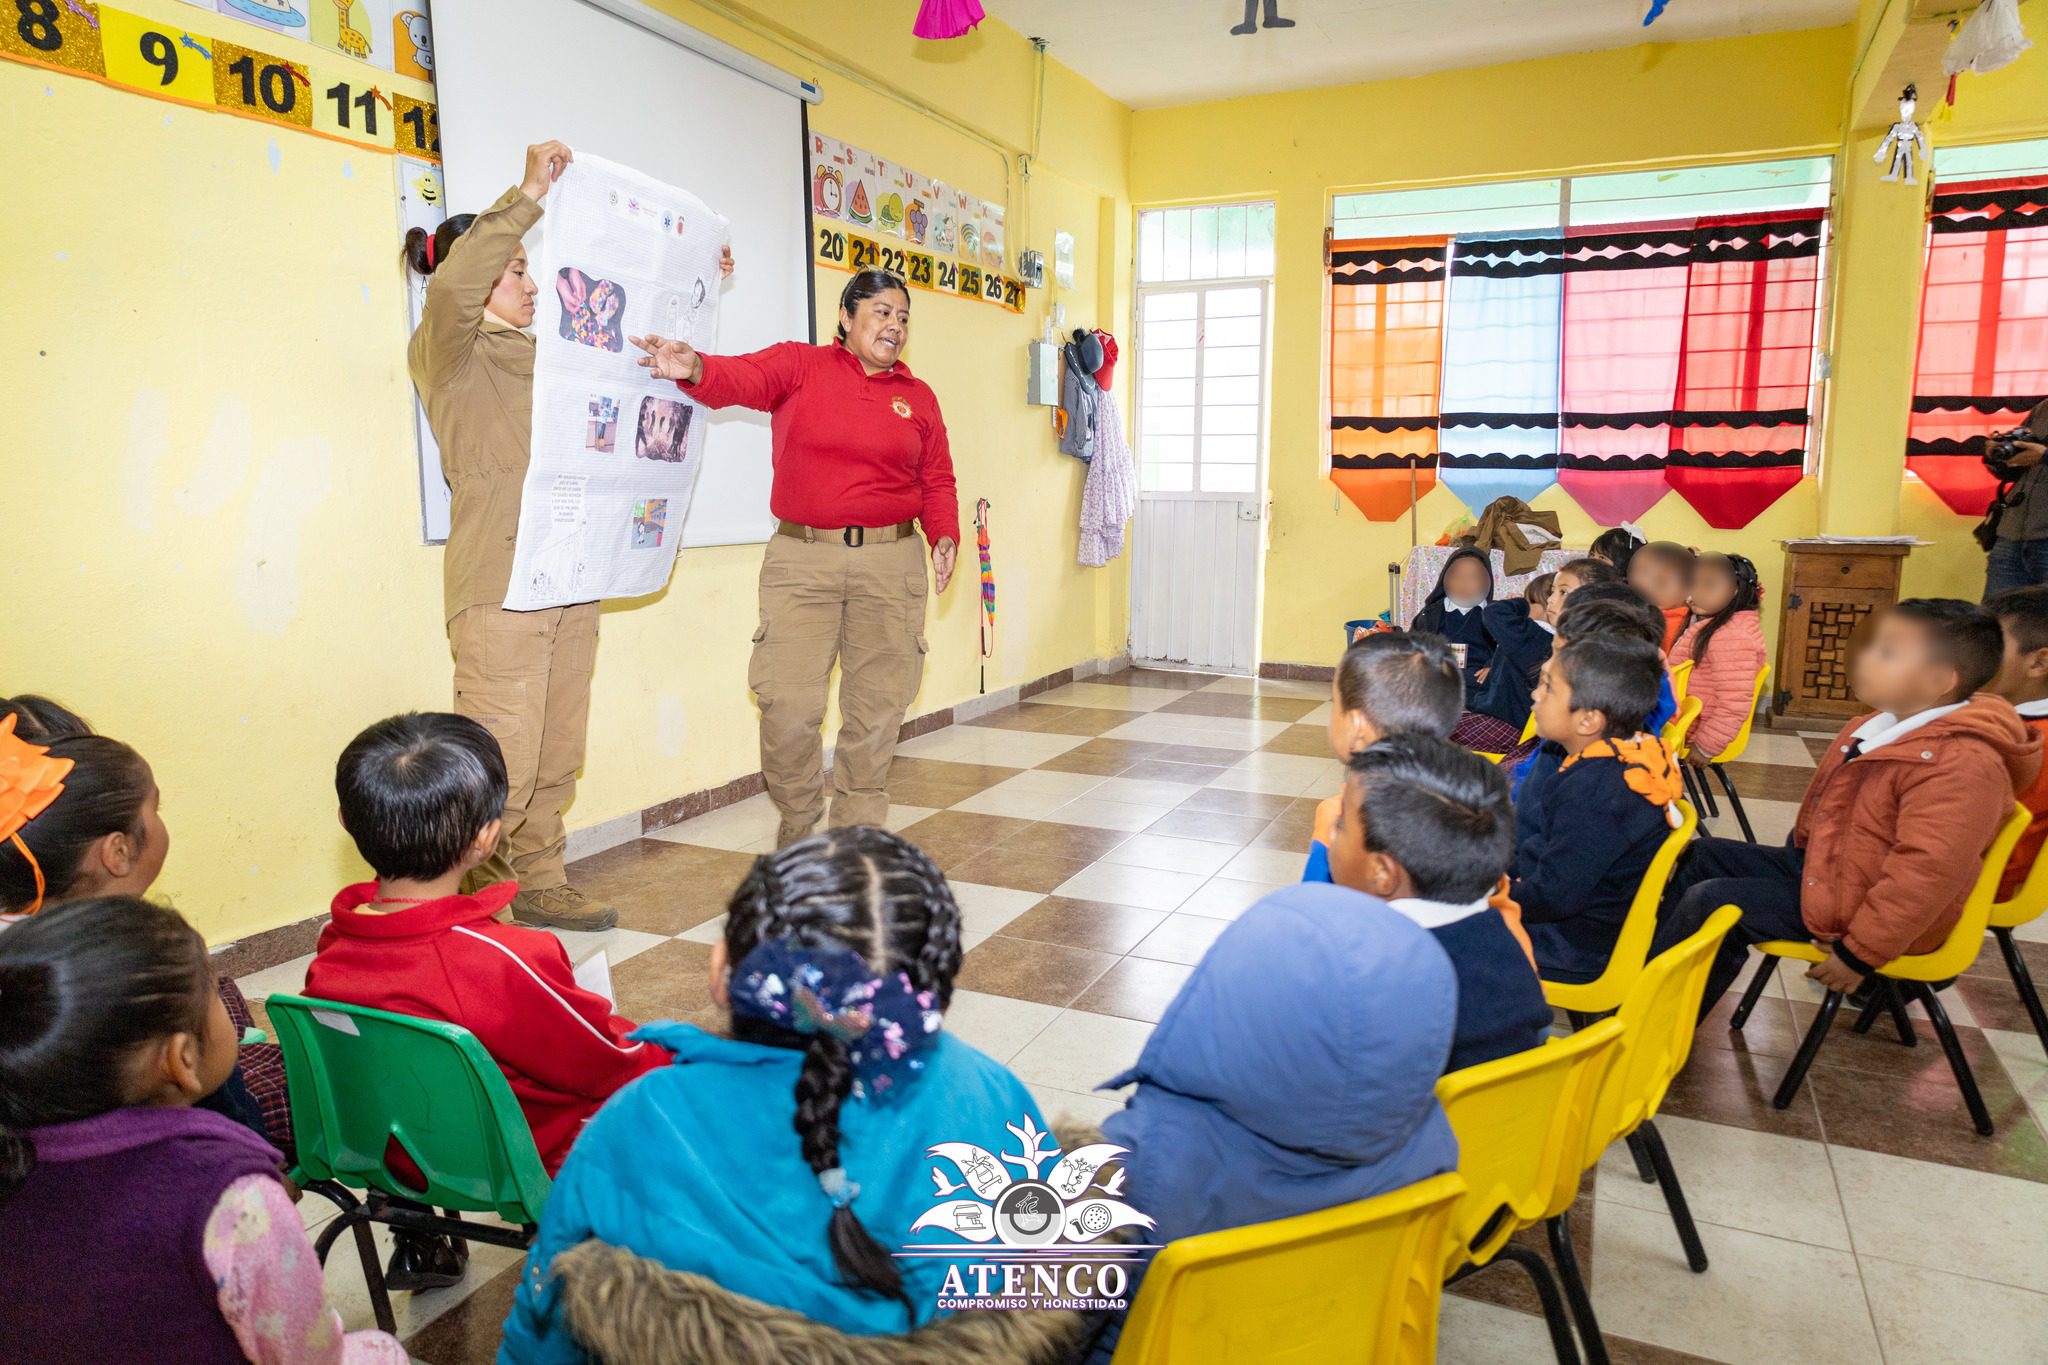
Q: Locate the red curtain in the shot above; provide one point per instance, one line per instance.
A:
(1386, 364)
(1624, 320)
(1983, 355)
(1739, 429)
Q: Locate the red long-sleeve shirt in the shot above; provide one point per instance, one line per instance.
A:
(850, 448)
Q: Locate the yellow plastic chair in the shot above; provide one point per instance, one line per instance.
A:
(1360, 1282)
(2025, 905)
(1632, 947)
(1658, 1021)
(1679, 726)
(1734, 751)
(1681, 675)
(1528, 733)
(1908, 975)
(1521, 1123)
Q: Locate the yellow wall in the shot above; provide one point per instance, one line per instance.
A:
(1654, 105)
(212, 516)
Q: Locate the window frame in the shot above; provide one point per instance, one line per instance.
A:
(1200, 289)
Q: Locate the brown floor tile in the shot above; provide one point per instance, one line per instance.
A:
(1507, 1284)
(1623, 1351)
(940, 772)
(1735, 1088)
(1216, 826)
(1309, 741)
(1101, 757)
(964, 828)
(662, 888)
(1084, 720)
(1225, 802)
(1924, 1118)
(1993, 1000)
(1157, 677)
(1182, 939)
(1026, 969)
(1135, 988)
(931, 795)
(1051, 839)
(1208, 755)
(1160, 770)
(469, 1333)
(1770, 1032)
(1763, 782)
(1085, 924)
(1240, 707)
(1879, 1052)
(1816, 747)
(947, 855)
(1290, 829)
(1000, 866)
(669, 981)
(1019, 717)
(1990, 963)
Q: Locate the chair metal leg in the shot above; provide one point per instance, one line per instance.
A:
(1884, 996)
(1902, 1021)
(1734, 801)
(1761, 978)
(1674, 1197)
(2023, 982)
(1877, 1000)
(335, 1227)
(1957, 1062)
(1809, 1048)
(1713, 808)
(1646, 1170)
(1554, 1315)
(1567, 1258)
(1695, 790)
(373, 1276)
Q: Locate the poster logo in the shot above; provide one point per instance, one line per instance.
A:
(1043, 1226)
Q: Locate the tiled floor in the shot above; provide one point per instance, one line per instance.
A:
(1101, 836)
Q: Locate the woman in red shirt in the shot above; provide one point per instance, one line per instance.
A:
(861, 464)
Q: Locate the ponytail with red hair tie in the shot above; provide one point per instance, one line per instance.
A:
(430, 251)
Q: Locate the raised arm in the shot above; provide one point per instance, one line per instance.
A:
(759, 379)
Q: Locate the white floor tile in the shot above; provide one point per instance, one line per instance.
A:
(1737, 1178)
(1319, 716)
(994, 748)
(1017, 805)
(1079, 1051)
(2034, 930)
(996, 1024)
(1227, 897)
(1045, 782)
(740, 827)
(900, 818)
(1772, 820)
(1141, 887)
(2026, 1064)
(1904, 1210)
(1144, 792)
(1168, 854)
(1265, 781)
(710, 931)
(619, 944)
(350, 1295)
(1121, 816)
(286, 978)
(1763, 1298)
(1276, 866)
(1470, 1332)
(1785, 751)
(1929, 1317)
(985, 910)
(1065, 1106)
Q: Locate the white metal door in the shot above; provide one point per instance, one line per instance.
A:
(1198, 549)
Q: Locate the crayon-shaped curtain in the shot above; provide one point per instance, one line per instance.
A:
(1500, 380)
(1386, 359)
(1745, 369)
(1983, 353)
(1625, 289)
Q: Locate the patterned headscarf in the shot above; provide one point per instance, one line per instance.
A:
(884, 1021)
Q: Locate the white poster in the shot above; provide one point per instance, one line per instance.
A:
(615, 451)
(422, 203)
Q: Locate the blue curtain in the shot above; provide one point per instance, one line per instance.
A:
(1502, 328)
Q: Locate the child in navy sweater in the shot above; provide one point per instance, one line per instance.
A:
(1457, 610)
(1596, 804)
(1429, 828)
(1522, 634)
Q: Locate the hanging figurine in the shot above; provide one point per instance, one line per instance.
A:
(1902, 139)
(1251, 17)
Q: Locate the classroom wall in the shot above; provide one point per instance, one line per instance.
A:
(1658, 104)
(212, 515)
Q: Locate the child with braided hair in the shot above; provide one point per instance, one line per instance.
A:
(736, 1204)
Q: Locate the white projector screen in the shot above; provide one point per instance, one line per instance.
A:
(510, 73)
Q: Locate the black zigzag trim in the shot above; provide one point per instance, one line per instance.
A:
(1384, 460)
(1738, 459)
(1499, 421)
(1383, 424)
(1988, 404)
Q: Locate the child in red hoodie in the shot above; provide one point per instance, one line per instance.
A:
(421, 795)
(2023, 680)
(1896, 820)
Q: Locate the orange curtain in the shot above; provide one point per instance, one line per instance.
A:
(1386, 361)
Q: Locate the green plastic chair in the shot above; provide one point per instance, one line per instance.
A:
(364, 1080)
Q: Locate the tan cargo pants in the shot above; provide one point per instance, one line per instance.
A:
(864, 606)
(525, 677)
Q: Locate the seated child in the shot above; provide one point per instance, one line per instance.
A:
(421, 796)
(1576, 574)
(1726, 645)
(1456, 609)
(1429, 829)
(1522, 632)
(776, 1163)
(1616, 547)
(1295, 1070)
(138, 1226)
(2023, 680)
(1893, 828)
(1397, 682)
(1608, 608)
(1662, 573)
(93, 830)
(1589, 820)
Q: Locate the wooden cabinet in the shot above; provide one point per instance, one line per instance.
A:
(1831, 592)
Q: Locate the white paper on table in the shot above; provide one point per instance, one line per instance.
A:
(594, 974)
(615, 451)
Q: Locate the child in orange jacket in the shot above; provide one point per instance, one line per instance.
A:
(2023, 680)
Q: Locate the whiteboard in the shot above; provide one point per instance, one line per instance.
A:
(510, 73)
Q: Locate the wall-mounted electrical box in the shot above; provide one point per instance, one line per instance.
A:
(1042, 378)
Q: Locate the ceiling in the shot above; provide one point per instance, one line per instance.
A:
(1147, 53)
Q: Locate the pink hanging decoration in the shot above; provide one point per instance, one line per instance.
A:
(947, 18)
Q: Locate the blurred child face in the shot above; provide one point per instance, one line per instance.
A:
(512, 297)
(1897, 671)
(1555, 719)
(1713, 586)
(2022, 674)
(1658, 581)
(1465, 581)
(1350, 731)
